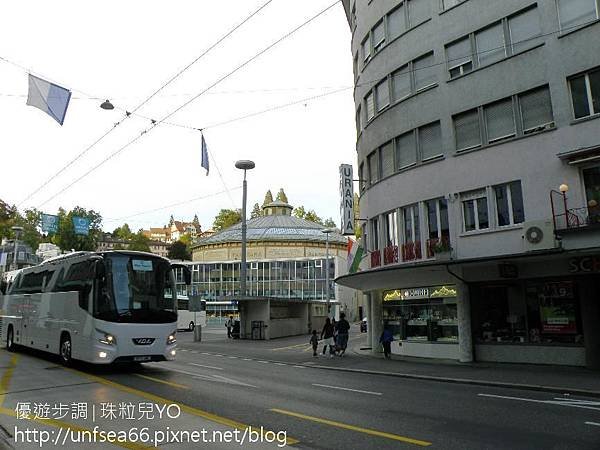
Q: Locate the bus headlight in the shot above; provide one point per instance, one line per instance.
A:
(172, 338)
(107, 339)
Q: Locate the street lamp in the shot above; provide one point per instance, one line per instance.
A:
(564, 188)
(327, 231)
(244, 165)
(17, 231)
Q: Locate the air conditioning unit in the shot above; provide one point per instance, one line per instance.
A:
(538, 235)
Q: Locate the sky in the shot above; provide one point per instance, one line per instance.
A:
(124, 51)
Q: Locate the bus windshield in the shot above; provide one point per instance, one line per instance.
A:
(136, 289)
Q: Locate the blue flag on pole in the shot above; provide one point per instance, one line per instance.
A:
(205, 163)
(49, 223)
(49, 97)
(81, 225)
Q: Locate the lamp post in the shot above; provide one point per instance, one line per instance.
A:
(17, 231)
(244, 165)
(563, 188)
(327, 231)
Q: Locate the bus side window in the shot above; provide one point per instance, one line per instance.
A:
(79, 277)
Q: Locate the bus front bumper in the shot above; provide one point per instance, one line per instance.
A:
(107, 354)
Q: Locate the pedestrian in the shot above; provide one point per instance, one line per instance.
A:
(343, 327)
(386, 340)
(327, 336)
(314, 341)
(229, 325)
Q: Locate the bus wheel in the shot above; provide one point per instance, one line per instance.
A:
(191, 326)
(65, 349)
(10, 339)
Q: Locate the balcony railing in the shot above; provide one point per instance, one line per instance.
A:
(390, 254)
(577, 218)
(411, 251)
(375, 258)
(441, 244)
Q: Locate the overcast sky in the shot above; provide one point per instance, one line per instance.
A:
(124, 51)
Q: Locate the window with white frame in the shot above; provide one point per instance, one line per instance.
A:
(406, 150)
(437, 218)
(370, 104)
(585, 94)
(500, 119)
(475, 210)
(387, 159)
(425, 72)
(574, 13)
(391, 229)
(509, 204)
(509, 36)
(378, 36)
(411, 231)
(373, 163)
(383, 95)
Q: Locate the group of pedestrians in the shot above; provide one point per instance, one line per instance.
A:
(334, 336)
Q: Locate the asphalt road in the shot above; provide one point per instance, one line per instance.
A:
(253, 384)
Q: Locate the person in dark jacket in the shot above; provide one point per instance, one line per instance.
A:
(343, 327)
(386, 340)
(327, 336)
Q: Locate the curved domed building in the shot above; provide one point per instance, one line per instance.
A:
(286, 278)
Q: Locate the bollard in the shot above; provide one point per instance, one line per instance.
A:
(197, 333)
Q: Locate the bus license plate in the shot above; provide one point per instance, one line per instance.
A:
(141, 358)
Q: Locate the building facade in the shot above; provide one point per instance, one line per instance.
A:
(478, 151)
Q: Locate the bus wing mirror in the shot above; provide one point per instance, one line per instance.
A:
(187, 273)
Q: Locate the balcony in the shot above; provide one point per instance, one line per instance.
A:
(411, 251)
(438, 245)
(375, 258)
(574, 219)
(390, 254)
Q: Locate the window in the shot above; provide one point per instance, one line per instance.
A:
(411, 229)
(358, 120)
(396, 22)
(467, 132)
(391, 229)
(573, 13)
(418, 12)
(585, 94)
(355, 66)
(373, 168)
(475, 211)
(447, 4)
(536, 109)
(383, 95)
(374, 234)
(362, 182)
(387, 159)
(499, 120)
(378, 37)
(366, 49)
(525, 30)
(424, 72)
(406, 150)
(430, 141)
(490, 44)
(370, 106)
(437, 226)
(401, 83)
(460, 57)
(509, 203)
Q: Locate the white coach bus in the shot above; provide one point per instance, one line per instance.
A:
(186, 319)
(104, 307)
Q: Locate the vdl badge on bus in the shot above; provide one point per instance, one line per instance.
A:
(99, 307)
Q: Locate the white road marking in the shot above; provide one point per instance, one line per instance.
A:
(217, 378)
(206, 367)
(280, 364)
(232, 357)
(300, 367)
(347, 389)
(246, 359)
(571, 403)
(264, 362)
(204, 353)
(183, 349)
(596, 424)
(194, 351)
(229, 380)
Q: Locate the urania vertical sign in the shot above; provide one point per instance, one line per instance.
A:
(347, 199)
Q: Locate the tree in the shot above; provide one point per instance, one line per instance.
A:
(256, 211)
(30, 223)
(227, 218)
(178, 250)
(66, 238)
(123, 232)
(312, 216)
(329, 223)
(281, 196)
(186, 239)
(139, 242)
(268, 198)
(299, 212)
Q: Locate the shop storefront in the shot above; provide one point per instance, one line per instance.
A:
(424, 321)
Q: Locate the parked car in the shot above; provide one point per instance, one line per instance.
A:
(363, 325)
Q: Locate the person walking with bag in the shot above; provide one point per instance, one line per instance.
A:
(386, 340)
(343, 327)
(327, 336)
(229, 325)
(314, 341)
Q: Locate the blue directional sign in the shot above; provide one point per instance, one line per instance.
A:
(49, 223)
(81, 225)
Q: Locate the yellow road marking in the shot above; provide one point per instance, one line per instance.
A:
(6, 377)
(354, 428)
(185, 408)
(73, 427)
(158, 380)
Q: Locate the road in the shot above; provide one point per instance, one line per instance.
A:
(226, 383)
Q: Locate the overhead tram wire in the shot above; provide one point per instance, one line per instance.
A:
(128, 113)
(220, 80)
